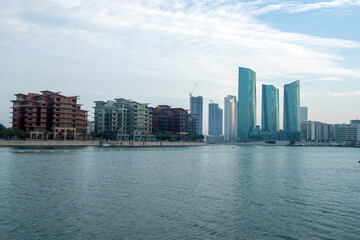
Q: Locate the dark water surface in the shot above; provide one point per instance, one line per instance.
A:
(225, 192)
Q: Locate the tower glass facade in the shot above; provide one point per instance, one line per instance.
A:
(196, 107)
(292, 107)
(215, 120)
(230, 118)
(270, 108)
(246, 103)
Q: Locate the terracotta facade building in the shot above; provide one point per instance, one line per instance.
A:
(49, 115)
(170, 119)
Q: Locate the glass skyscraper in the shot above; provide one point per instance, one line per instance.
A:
(230, 118)
(270, 108)
(292, 107)
(215, 120)
(196, 107)
(246, 103)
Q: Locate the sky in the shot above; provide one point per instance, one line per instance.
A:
(155, 51)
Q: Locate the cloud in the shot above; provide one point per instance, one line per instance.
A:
(297, 7)
(343, 94)
(146, 49)
(325, 79)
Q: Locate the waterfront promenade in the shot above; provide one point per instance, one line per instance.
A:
(29, 143)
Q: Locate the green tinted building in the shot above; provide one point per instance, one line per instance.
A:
(246, 103)
(292, 107)
(270, 108)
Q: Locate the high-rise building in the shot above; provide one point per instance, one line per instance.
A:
(292, 107)
(169, 119)
(303, 114)
(230, 118)
(129, 120)
(246, 103)
(215, 120)
(196, 107)
(49, 115)
(270, 108)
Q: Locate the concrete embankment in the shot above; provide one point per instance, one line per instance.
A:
(97, 143)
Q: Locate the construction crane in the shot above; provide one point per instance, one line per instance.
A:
(191, 92)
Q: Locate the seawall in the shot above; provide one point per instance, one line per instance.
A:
(97, 143)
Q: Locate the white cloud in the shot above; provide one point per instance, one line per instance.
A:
(343, 94)
(325, 79)
(159, 48)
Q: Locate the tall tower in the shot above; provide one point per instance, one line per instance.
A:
(270, 108)
(246, 103)
(196, 107)
(292, 107)
(230, 117)
(215, 120)
(303, 114)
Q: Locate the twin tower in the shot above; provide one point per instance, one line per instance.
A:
(246, 114)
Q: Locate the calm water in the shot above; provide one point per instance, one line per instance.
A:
(220, 192)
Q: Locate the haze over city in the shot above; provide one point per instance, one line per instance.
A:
(155, 51)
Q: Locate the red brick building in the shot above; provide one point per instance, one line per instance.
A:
(169, 119)
(49, 115)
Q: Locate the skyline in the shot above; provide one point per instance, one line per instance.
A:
(122, 49)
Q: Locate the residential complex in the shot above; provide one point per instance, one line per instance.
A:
(129, 120)
(170, 119)
(348, 132)
(215, 120)
(317, 131)
(230, 118)
(246, 103)
(291, 118)
(48, 115)
(270, 108)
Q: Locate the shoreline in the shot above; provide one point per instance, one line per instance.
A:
(50, 143)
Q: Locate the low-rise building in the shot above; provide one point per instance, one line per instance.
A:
(48, 115)
(128, 120)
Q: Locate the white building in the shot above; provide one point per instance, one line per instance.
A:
(230, 118)
(317, 131)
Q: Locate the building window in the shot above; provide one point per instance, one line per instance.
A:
(58, 99)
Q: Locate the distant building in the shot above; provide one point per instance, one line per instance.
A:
(129, 120)
(246, 103)
(215, 120)
(169, 119)
(230, 118)
(291, 118)
(303, 114)
(317, 131)
(193, 123)
(91, 126)
(49, 115)
(196, 107)
(270, 108)
(347, 132)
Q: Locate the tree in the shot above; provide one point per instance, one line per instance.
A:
(83, 134)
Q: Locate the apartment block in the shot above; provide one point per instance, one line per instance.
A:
(48, 115)
(129, 119)
(317, 131)
(166, 118)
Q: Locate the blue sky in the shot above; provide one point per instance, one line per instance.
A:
(155, 51)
